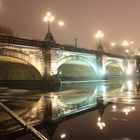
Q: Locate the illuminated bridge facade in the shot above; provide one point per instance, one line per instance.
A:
(37, 60)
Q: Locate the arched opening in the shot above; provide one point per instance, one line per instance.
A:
(16, 69)
(78, 95)
(113, 69)
(76, 70)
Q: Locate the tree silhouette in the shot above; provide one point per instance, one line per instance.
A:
(6, 30)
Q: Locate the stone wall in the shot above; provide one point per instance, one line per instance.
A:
(18, 71)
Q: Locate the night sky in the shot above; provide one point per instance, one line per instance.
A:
(118, 19)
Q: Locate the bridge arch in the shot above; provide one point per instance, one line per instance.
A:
(20, 61)
(15, 54)
(78, 60)
(113, 61)
(89, 100)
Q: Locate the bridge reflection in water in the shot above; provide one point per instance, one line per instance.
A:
(47, 109)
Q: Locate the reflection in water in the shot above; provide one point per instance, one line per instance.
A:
(125, 109)
(101, 108)
(62, 136)
(38, 108)
(100, 123)
(128, 109)
(114, 107)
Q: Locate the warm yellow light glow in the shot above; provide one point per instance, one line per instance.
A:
(99, 34)
(103, 124)
(132, 42)
(48, 14)
(130, 70)
(133, 108)
(128, 109)
(48, 17)
(125, 43)
(45, 19)
(127, 51)
(114, 107)
(62, 136)
(113, 44)
(129, 84)
(52, 18)
(99, 118)
(61, 23)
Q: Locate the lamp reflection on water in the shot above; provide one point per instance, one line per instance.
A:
(63, 136)
(114, 107)
(128, 109)
(100, 123)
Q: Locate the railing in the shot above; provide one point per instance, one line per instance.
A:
(114, 55)
(36, 43)
(76, 49)
(19, 41)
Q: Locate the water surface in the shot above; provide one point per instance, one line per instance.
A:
(87, 111)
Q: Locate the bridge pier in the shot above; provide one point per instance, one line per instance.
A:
(130, 67)
(50, 56)
(99, 62)
(51, 107)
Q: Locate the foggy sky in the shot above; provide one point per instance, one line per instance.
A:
(118, 19)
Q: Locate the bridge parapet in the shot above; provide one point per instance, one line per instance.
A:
(19, 41)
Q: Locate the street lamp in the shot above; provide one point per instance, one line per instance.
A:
(48, 18)
(125, 43)
(99, 35)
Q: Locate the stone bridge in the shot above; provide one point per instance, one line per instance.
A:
(36, 60)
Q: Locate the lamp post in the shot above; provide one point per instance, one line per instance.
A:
(126, 44)
(112, 47)
(48, 18)
(99, 35)
(127, 62)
